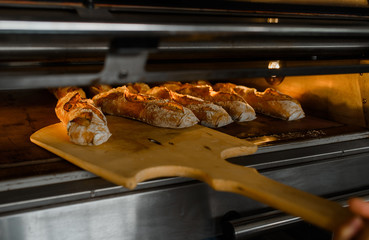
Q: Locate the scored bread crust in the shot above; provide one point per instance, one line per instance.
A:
(232, 103)
(157, 112)
(98, 88)
(270, 102)
(86, 124)
(138, 87)
(209, 114)
(173, 86)
(62, 91)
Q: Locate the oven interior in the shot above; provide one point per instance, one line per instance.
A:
(322, 53)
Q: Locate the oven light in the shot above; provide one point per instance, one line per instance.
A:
(274, 79)
(272, 20)
(274, 65)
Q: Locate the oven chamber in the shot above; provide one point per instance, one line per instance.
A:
(322, 52)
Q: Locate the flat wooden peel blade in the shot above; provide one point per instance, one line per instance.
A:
(137, 152)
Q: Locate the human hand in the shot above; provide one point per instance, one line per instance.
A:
(355, 228)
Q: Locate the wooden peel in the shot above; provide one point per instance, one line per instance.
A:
(137, 152)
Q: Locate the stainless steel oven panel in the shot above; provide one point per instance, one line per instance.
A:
(171, 213)
(173, 208)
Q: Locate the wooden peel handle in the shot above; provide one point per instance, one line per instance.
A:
(248, 182)
(364, 234)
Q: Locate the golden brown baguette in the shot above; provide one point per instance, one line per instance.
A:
(62, 91)
(138, 87)
(270, 102)
(201, 82)
(86, 124)
(234, 104)
(173, 86)
(209, 114)
(98, 88)
(157, 112)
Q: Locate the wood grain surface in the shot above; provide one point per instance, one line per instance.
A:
(137, 152)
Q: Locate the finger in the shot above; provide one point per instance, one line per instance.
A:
(359, 207)
(349, 229)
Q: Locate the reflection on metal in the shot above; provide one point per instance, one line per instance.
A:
(274, 80)
(54, 27)
(272, 20)
(244, 228)
(170, 213)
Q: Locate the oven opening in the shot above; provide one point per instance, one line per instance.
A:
(315, 52)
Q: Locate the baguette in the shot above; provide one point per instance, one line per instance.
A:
(62, 91)
(270, 102)
(234, 104)
(86, 124)
(99, 88)
(209, 114)
(138, 87)
(157, 112)
(173, 86)
(201, 82)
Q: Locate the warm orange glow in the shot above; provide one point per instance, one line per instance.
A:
(274, 65)
(272, 20)
(262, 140)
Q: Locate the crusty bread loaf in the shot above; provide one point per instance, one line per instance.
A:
(86, 124)
(138, 87)
(225, 87)
(157, 112)
(270, 102)
(201, 82)
(173, 86)
(98, 88)
(234, 104)
(62, 91)
(209, 114)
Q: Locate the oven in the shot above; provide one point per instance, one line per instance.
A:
(315, 52)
